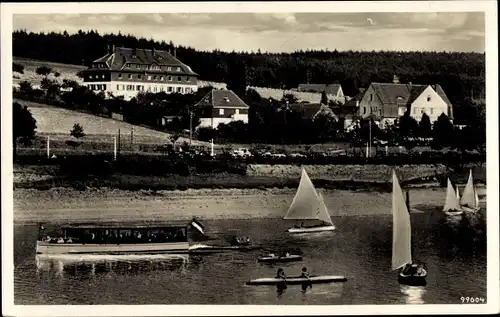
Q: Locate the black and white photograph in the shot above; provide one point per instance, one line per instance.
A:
(249, 158)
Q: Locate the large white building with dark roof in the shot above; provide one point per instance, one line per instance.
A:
(128, 71)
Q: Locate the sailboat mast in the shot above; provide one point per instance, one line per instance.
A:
(411, 232)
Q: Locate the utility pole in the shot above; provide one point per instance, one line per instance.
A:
(48, 147)
(370, 136)
(119, 141)
(190, 127)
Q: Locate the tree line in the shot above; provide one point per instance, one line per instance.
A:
(462, 75)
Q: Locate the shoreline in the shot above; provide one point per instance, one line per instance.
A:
(341, 177)
(69, 205)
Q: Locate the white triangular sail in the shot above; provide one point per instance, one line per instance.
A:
(468, 196)
(307, 204)
(401, 230)
(323, 213)
(452, 202)
(476, 198)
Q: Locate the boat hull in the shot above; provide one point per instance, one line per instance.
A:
(139, 248)
(290, 258)
(470, 210)
(454, 213)
(298, 280)
(311, 229)
(412, 280)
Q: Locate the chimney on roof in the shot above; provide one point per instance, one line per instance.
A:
(134, 51)
(154, 52)
(395, 80)
(175, 52)
(114, 48)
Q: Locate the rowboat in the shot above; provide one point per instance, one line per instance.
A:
(308, 206)
(274, 258)
(410, 273)
(298, 280)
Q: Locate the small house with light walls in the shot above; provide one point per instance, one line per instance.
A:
(220, 106)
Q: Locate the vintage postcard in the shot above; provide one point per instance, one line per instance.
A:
(246, 158)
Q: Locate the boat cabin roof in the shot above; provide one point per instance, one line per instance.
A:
(127, 226)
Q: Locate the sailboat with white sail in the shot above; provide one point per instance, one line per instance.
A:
(409, 273)
(470, 199)
(308, 206)
(452, 203)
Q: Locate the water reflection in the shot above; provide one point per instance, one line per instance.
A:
(91, 266)
(413, 294)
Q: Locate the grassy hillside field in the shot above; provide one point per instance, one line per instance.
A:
(66, 71)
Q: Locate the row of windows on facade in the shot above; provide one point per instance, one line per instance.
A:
(416, 110)
(236, 111)
(400, 98)
(139, 76)
(103, 87)
(145, 67)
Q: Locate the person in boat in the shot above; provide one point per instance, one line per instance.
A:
(281, 274)
(302, 224)
(60, 240)
(305, 274)
(69, 240)
(280, 286)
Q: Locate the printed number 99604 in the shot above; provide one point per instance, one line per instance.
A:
(472, 300)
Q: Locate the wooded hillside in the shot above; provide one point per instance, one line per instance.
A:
(462, 75)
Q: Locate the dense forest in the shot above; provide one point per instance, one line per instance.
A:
(462, 75)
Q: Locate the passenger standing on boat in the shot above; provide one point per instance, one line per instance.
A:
(307, 284)
(281, 285)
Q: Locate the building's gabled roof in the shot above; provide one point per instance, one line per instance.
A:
(277, 94)
(120, 56)
(310, 110)
(222, 98)
(331, 89)
(405, 94)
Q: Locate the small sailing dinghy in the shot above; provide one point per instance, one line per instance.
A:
(470, 199)
(452, 203)
(409, 273)
(308, 205)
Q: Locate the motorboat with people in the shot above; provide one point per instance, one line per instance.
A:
(115, 239)
(303, 279)
(452, 204)
(409, 272)
(284, 257)
(470, 199)
(240, 241)
(309, 208)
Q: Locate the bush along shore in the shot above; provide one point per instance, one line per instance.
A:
(135, 172)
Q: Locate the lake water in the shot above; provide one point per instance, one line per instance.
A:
(360, 249)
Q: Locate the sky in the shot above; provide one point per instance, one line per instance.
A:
(283, 32)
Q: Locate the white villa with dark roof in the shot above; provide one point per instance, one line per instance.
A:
(386, 102)
(127, 71)
(221, 106)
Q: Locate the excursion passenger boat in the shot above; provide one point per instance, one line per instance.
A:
(116, 239)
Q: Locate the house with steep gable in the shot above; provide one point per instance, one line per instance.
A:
(332, 90)
(311, 110)
(129, 71)
(386, 102)
(221, 106)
